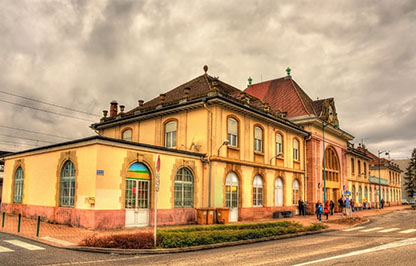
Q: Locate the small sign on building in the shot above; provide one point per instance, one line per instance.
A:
(100, 172)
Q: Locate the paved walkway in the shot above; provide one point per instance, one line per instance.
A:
(62, 235)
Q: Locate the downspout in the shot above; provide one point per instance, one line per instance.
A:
(309, 137)
(209, 125)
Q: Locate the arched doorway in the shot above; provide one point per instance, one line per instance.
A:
(137, 195)
(231, 195)
(332, 174)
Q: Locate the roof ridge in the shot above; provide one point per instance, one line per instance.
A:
(297, 92)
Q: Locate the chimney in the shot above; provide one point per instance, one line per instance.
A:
(105, 112)
(113, 109)
(122, 108)
(162, 97)
(141, 102)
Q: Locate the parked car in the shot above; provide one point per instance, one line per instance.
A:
(405, 202)
(412, 201)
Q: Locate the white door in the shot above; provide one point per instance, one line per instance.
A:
(137, 202)
(231, 196)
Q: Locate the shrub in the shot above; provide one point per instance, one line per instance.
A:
(143, 240)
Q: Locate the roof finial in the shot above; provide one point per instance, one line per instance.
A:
(249, 81)
(205, 69)
(288, 71)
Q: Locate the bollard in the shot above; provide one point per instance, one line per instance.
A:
(18, 224)
(2, 222)
(37, 229)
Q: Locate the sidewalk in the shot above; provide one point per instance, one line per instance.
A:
(66, 236)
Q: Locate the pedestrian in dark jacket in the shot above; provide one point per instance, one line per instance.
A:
(300, 207)
(382, 203)
(331, 207)
(316, 209)
(319, 211)
(304, 208)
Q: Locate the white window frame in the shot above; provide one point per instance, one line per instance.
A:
(257, 191)
(232, 134)
(278, 194)
(184, 189)
(295, 191)
(279, 144)
(171, 129)
(67, 185)
(18, 185)
(295, 149)
(258, 139)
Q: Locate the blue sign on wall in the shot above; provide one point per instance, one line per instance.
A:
(100, 172)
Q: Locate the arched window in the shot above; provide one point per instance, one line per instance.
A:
(353, 193)
(365, 170)
(332, 167)
(279, 144)
(295, 150)
(184, 188)
(366, 194)
(295, 188)
(67, 185)
(278, 192)
(231, 190)
(257, 191)
(127, 135)
(170, 134)
(352, 167)
(360, 191)
(137, 190)
(359, 167)
(232, 132)
(18, 185)
(258, 139)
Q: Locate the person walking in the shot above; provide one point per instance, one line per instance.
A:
(341, 204)
(382, 203)
(316, 209)
(331, 207)
(300, 207)
(304, 208)
(319, 211)
(326, 209)
(352, 203)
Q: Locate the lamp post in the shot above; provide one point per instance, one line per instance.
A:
(324, 125)
(379, 176)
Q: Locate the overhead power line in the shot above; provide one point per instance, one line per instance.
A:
(16, 143)
(51, 104)
(10, 136)
(47, 111)
(35, 132)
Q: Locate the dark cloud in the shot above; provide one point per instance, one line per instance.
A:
(83, 54)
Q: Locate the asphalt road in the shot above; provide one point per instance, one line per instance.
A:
(388, 240)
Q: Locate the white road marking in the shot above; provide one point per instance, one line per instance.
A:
(23, 245)
(353, 228)
(406, 242)
(4, 249)
(372, 229)
(388, 230)
(408, 231)
(59, 241)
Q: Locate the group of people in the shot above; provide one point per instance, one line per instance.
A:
(327, 210)
(302, 207)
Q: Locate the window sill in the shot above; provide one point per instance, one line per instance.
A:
(259, 153)
(233, 148)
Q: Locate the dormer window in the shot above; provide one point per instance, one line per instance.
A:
(127, 135)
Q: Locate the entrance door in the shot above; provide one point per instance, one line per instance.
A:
(231, 196)
(137, 196)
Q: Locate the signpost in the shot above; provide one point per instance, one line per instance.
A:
(157, 184)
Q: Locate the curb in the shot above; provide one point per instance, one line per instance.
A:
(194, 248)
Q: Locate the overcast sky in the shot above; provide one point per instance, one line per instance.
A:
(83, 54)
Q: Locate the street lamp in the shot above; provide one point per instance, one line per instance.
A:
(225, 142)
(324, 125)
(379, 176)
(276, 156)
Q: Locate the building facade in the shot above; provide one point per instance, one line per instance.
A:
(218, 147)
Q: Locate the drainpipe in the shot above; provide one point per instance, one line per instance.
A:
(305, 159)
(209, 124)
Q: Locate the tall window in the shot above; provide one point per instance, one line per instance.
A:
(365, 169)
(278, 188)
(127, 135)
(352, 167)
(366, 194)
(359, 167)
(170, 134)
(231, 190)
(67, 186)
(295, 150)
(295, 188)
(332, 168)
(360, 199)
(257, 191)
(18, 185)
(232, 132)
(353, 193)
(258, 139)
(184, 188)
(279, 144)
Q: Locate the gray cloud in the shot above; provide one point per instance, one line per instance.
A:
(83, 54)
